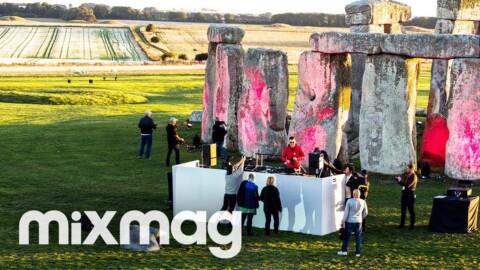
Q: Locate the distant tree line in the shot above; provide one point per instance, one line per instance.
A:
(91, 12)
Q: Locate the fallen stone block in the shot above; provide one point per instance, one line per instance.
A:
(458, 10)
(263, 101)
(336, 42)
(376, 12)
(387, 116)
(463, 146)
(195, 116)
(435, 46)
(154, 235)
(223, 33)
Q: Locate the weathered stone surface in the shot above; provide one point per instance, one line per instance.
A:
(444, 26)
(208, 93)
(367, 28)
(432, 46)
(468, 10)
(223, 80)
(377, 12)
(335, 42)
(387, 116)
(321, 103)
(456, 27)
(434, 140)
(222, 33)
(358, 68)
(262, 108)
(439, 90)
(195, 116)
(229, 62)
(135, 240)
(463, 146)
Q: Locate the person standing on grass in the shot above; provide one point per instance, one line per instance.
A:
(272, 205)
(173, 141)
(218, 137)
(146, 126)
(247, 199)
(409, 184)
(363, 186)
(355, 211)
(230, 197)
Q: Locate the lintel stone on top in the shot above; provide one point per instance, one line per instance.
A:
(336, 42)
(222, 33)
(376, 12)
(436, 46)
(468, 10)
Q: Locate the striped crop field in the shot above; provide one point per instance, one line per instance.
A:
(69, 43)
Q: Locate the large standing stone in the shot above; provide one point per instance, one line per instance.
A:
(376, 12)
(223, 33)
(439, 90)
(387, 116)
(322, 102)
(229, 62)
(463, 146)
(336, 42)
(458, 9)
(208, 93)
(358, 69)
(263, 103)
(434, 140)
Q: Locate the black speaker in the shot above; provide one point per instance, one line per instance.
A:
(170, 189)
(209, 154)
(313, 160)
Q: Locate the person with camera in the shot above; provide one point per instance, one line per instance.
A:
(292, 155)
(173, 141)
(409, 184)
(230, 197)
(146, 126)
(355, 211)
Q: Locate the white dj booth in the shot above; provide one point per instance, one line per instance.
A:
(310, 205)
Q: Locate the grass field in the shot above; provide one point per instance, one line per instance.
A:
(75, 155)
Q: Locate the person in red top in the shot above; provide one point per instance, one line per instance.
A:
(293, 154)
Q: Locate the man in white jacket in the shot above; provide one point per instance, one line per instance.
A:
(355, 211)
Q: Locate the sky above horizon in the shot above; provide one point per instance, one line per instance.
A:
(419, 7)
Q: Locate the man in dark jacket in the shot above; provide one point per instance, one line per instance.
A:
(173, 141)
(218, 136)
(272, 205)
(409, 184)
(146, 126)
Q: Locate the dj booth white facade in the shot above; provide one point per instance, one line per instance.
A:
(310, 205)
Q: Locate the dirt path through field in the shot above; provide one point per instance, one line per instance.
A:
(87, 69)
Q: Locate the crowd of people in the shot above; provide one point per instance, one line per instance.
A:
(247, 196)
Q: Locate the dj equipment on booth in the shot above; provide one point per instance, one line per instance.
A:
(209, 154)
(465, 183)
(459, 192)
(315, 163)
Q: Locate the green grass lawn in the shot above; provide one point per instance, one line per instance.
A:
(69, 158)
